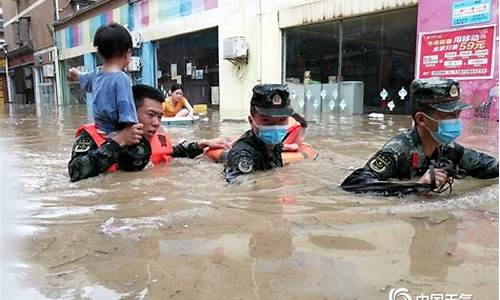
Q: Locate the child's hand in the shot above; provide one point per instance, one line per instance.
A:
(74, 74)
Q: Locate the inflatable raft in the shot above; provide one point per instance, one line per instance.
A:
(179, 120)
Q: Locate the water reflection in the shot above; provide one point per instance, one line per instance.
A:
(433, 246)
(180, 231)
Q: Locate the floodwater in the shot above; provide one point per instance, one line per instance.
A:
(178, 231)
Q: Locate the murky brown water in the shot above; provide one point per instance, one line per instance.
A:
(179, 232)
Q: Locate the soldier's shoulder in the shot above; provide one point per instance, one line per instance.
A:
(83, 143)
(241, 157)
(400, 143)
(241, 149)
(243, 144)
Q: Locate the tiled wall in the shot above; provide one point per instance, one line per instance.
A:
(145, 13)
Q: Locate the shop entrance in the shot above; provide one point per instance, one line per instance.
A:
(193, 61)
(355, 65)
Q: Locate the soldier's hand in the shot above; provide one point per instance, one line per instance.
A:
(129, 135)
(217, 143)
(441, 177)
(74, 74)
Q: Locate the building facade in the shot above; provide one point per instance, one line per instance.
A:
(3, 72)
(31, 63)
(337, 56)
(473, 28)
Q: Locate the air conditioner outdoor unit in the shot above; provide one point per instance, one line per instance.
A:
(136, 39)
(135, 64)
(236, 49)
(48, 70)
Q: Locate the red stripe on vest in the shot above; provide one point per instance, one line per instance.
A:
(161, 148)
(415, 161)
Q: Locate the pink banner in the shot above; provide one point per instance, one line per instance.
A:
(76, 41)
(144, 4)
(461, 54)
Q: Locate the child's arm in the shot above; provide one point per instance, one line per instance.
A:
(83, 78)
(127, 113)
(74, 74)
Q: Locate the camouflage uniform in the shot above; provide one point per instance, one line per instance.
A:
(249, 153)
(88, 160)
(403, 156)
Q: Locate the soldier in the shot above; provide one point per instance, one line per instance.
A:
(427, 150)
(94, 154)
(260, 147)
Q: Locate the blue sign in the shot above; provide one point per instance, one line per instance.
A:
(470, 12)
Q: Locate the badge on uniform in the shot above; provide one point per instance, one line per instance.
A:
(83, 145)
(380, 163)
(245, 165)
(453, 91)
(276, 99)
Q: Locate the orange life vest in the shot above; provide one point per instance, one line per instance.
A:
(161, 148)
(294, 129)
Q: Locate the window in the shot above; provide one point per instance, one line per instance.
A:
(312, 52)
(72, 93)
(193, 60)
(377, 53)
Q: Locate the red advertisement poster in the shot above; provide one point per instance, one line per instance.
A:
(462, 54)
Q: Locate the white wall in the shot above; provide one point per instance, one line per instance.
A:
(243, 18)
(321, 10)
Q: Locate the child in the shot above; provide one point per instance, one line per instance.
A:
(111, 88)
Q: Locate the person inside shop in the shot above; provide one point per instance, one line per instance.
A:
(428, 150)
(94, 153)
(176, 104)
(260, 148)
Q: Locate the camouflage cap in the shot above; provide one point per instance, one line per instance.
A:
(439, 93)
(271, 100)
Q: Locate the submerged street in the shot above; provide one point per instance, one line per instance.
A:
(178, 231)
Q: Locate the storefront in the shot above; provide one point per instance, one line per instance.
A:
(337, 56)
(193, 61)
(45, 76)
(21, 68)
(3, 82)
(354, 65)
(71, 90)
(173, 43)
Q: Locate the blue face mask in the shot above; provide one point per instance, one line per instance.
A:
(271, 134)
(448, 130)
